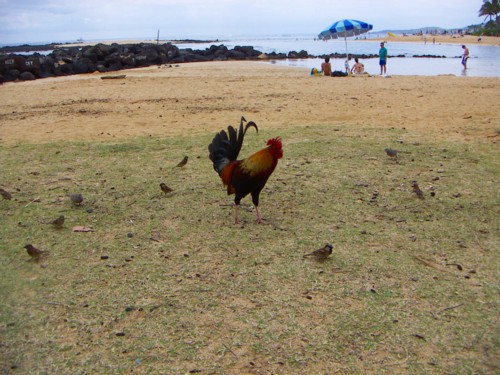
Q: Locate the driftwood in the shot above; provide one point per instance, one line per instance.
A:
(114, 77)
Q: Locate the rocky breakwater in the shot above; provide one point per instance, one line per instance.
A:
(108, 58)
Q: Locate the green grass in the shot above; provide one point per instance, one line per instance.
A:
(207, 295)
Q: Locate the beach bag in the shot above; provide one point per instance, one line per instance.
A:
(316, 72)
(338, 73)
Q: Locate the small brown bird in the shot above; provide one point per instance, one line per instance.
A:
(76, 199)
(391, 153)
(416, 190)
(182, 163)
(34, 252)
(59, 222)
(165, 188)
(321, 254)
(5, 194)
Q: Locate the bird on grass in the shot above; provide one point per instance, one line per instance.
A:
(165, 188)
(34, 252)
(391, 153)
(5, 194)
(245, 176)
(321, 254)
(76, 199)
(416, 190)
(59, 222)
(182, 163)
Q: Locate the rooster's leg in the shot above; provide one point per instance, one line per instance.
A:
(259, 218)
(236, 221)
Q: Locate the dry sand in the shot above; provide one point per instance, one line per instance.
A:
(203, 97)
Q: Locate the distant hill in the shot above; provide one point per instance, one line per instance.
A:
(425, 30)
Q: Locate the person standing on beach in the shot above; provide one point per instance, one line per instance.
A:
(383, 59)
(465, 56)
(326, 67)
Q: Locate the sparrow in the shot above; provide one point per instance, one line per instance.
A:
(76, 199)
(183, 162)
(321, 254)
(59, 222)
(165, 188)
(5, 194)
(416, 190)
(391, 153)
(34, 252)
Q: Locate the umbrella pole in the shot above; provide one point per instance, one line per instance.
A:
(346, 51)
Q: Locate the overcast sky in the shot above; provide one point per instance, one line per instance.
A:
(29, 21)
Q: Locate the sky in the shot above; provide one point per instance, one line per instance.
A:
(37, 21)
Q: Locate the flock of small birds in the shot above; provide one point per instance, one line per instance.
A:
(77, 199)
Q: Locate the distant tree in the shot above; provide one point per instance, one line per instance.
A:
(490, 9)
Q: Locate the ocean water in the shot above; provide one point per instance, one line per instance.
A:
(484, 60)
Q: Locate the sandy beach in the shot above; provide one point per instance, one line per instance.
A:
(194, 98)
(466, 39)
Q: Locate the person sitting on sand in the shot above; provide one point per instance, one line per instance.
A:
(357, 68)
(326, 67)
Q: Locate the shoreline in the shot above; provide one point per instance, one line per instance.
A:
(441, 39)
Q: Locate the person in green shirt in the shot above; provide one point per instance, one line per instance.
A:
(383, 59)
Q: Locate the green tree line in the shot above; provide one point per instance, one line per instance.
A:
(490, 10)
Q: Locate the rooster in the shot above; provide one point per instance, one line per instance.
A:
(246, 176)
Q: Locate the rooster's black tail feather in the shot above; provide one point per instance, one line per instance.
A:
(225, 147)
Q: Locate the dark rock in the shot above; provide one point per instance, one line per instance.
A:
(27, 76)
(65, 69)
(11, 75)
(83, 65)
(12, 62)
(236, 55)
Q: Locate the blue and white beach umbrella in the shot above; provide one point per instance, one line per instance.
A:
(345, 28)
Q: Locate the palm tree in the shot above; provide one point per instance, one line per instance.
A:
(490, 9)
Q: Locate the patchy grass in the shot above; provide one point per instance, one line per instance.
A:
(412, 286)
